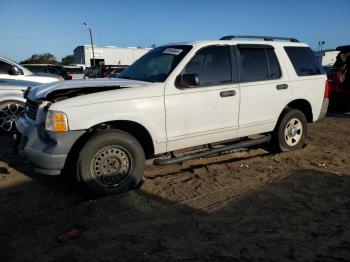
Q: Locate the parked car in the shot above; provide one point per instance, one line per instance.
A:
(117, 71)
(101, 71)
(173, 98)
(339, 81)
(12, 102)
(74, 72)
(12, 70)
(67, 72)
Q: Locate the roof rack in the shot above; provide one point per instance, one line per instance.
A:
(266, 38)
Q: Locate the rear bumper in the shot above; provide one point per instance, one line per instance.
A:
(47, 151)
(324, 108)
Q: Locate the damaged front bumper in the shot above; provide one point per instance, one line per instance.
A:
(46, 150)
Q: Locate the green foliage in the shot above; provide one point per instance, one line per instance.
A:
(46, 58)
(68, 60)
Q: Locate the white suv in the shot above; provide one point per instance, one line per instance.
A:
(175, 97)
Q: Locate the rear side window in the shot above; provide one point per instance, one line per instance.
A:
(74, 70)
(212, 65)
(258, 64)
(37, 69)
(304, 61)
(53, 70)
(254, 64)
(274, 67)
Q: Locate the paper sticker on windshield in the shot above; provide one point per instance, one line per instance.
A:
(172, 51)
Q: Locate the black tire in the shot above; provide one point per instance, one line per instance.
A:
(111, 162)
(9, 113)
(283, 139)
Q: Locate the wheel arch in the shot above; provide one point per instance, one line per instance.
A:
(301, 104)
(7, 99)
(133, 128)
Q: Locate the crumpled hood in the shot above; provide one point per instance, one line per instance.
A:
(42, 91)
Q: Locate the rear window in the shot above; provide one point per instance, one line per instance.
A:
(304, 61)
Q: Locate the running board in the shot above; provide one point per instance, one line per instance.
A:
(212, 151)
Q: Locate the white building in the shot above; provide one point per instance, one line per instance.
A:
(108, 55)
(327, 57)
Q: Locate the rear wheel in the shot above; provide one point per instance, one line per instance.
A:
(111, 162)
(9, 112)
(291, 131)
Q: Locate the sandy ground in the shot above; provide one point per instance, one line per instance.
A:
(243, 206)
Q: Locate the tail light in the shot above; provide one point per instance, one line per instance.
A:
(326, 90)
(69, 76)
(334, 79)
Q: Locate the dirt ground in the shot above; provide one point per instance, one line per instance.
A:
(242, 206)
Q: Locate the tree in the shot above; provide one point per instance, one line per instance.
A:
(46, 58)
(68, 60)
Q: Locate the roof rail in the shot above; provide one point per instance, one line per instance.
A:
(266, 38)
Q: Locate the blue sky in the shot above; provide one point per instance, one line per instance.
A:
(34, 26)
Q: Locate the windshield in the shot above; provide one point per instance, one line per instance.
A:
(157, 64)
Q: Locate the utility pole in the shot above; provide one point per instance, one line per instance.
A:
(92, 43)
(320, 45)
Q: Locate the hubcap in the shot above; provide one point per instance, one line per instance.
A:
(293, 132)
(8, 116)
(111, 165)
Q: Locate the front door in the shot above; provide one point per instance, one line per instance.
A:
(208, 112)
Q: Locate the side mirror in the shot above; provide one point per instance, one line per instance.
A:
(187, 80)
(15, 71)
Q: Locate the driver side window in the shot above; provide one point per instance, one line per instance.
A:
(212, 65)
(4, 68)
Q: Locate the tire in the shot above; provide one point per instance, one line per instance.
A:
(111, 162)
(291, 131)
(10, 111)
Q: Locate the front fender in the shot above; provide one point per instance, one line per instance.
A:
(148, 112)
(11, 96)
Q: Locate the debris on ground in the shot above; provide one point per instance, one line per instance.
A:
(73, 233)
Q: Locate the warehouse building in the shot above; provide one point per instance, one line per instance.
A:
(327, 57)
(108, 55)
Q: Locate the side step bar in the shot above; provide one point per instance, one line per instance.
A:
(213, 151)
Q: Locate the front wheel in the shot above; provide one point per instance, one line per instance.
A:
(291, 131)
(9, 112)
(111, 162)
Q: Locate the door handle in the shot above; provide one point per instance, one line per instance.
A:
(227, 93)
(281, 86)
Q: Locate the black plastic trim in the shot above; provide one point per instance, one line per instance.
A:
(213, 151)
(265, 38)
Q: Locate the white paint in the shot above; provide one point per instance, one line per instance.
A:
(181, 118)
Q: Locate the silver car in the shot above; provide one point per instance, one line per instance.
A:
(12, 102)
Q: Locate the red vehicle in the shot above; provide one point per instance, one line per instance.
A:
(339, 82)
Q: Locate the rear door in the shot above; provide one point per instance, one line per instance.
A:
(264, 87)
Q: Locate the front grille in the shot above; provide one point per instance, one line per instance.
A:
(31, 109)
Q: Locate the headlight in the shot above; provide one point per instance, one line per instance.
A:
(56, 121)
